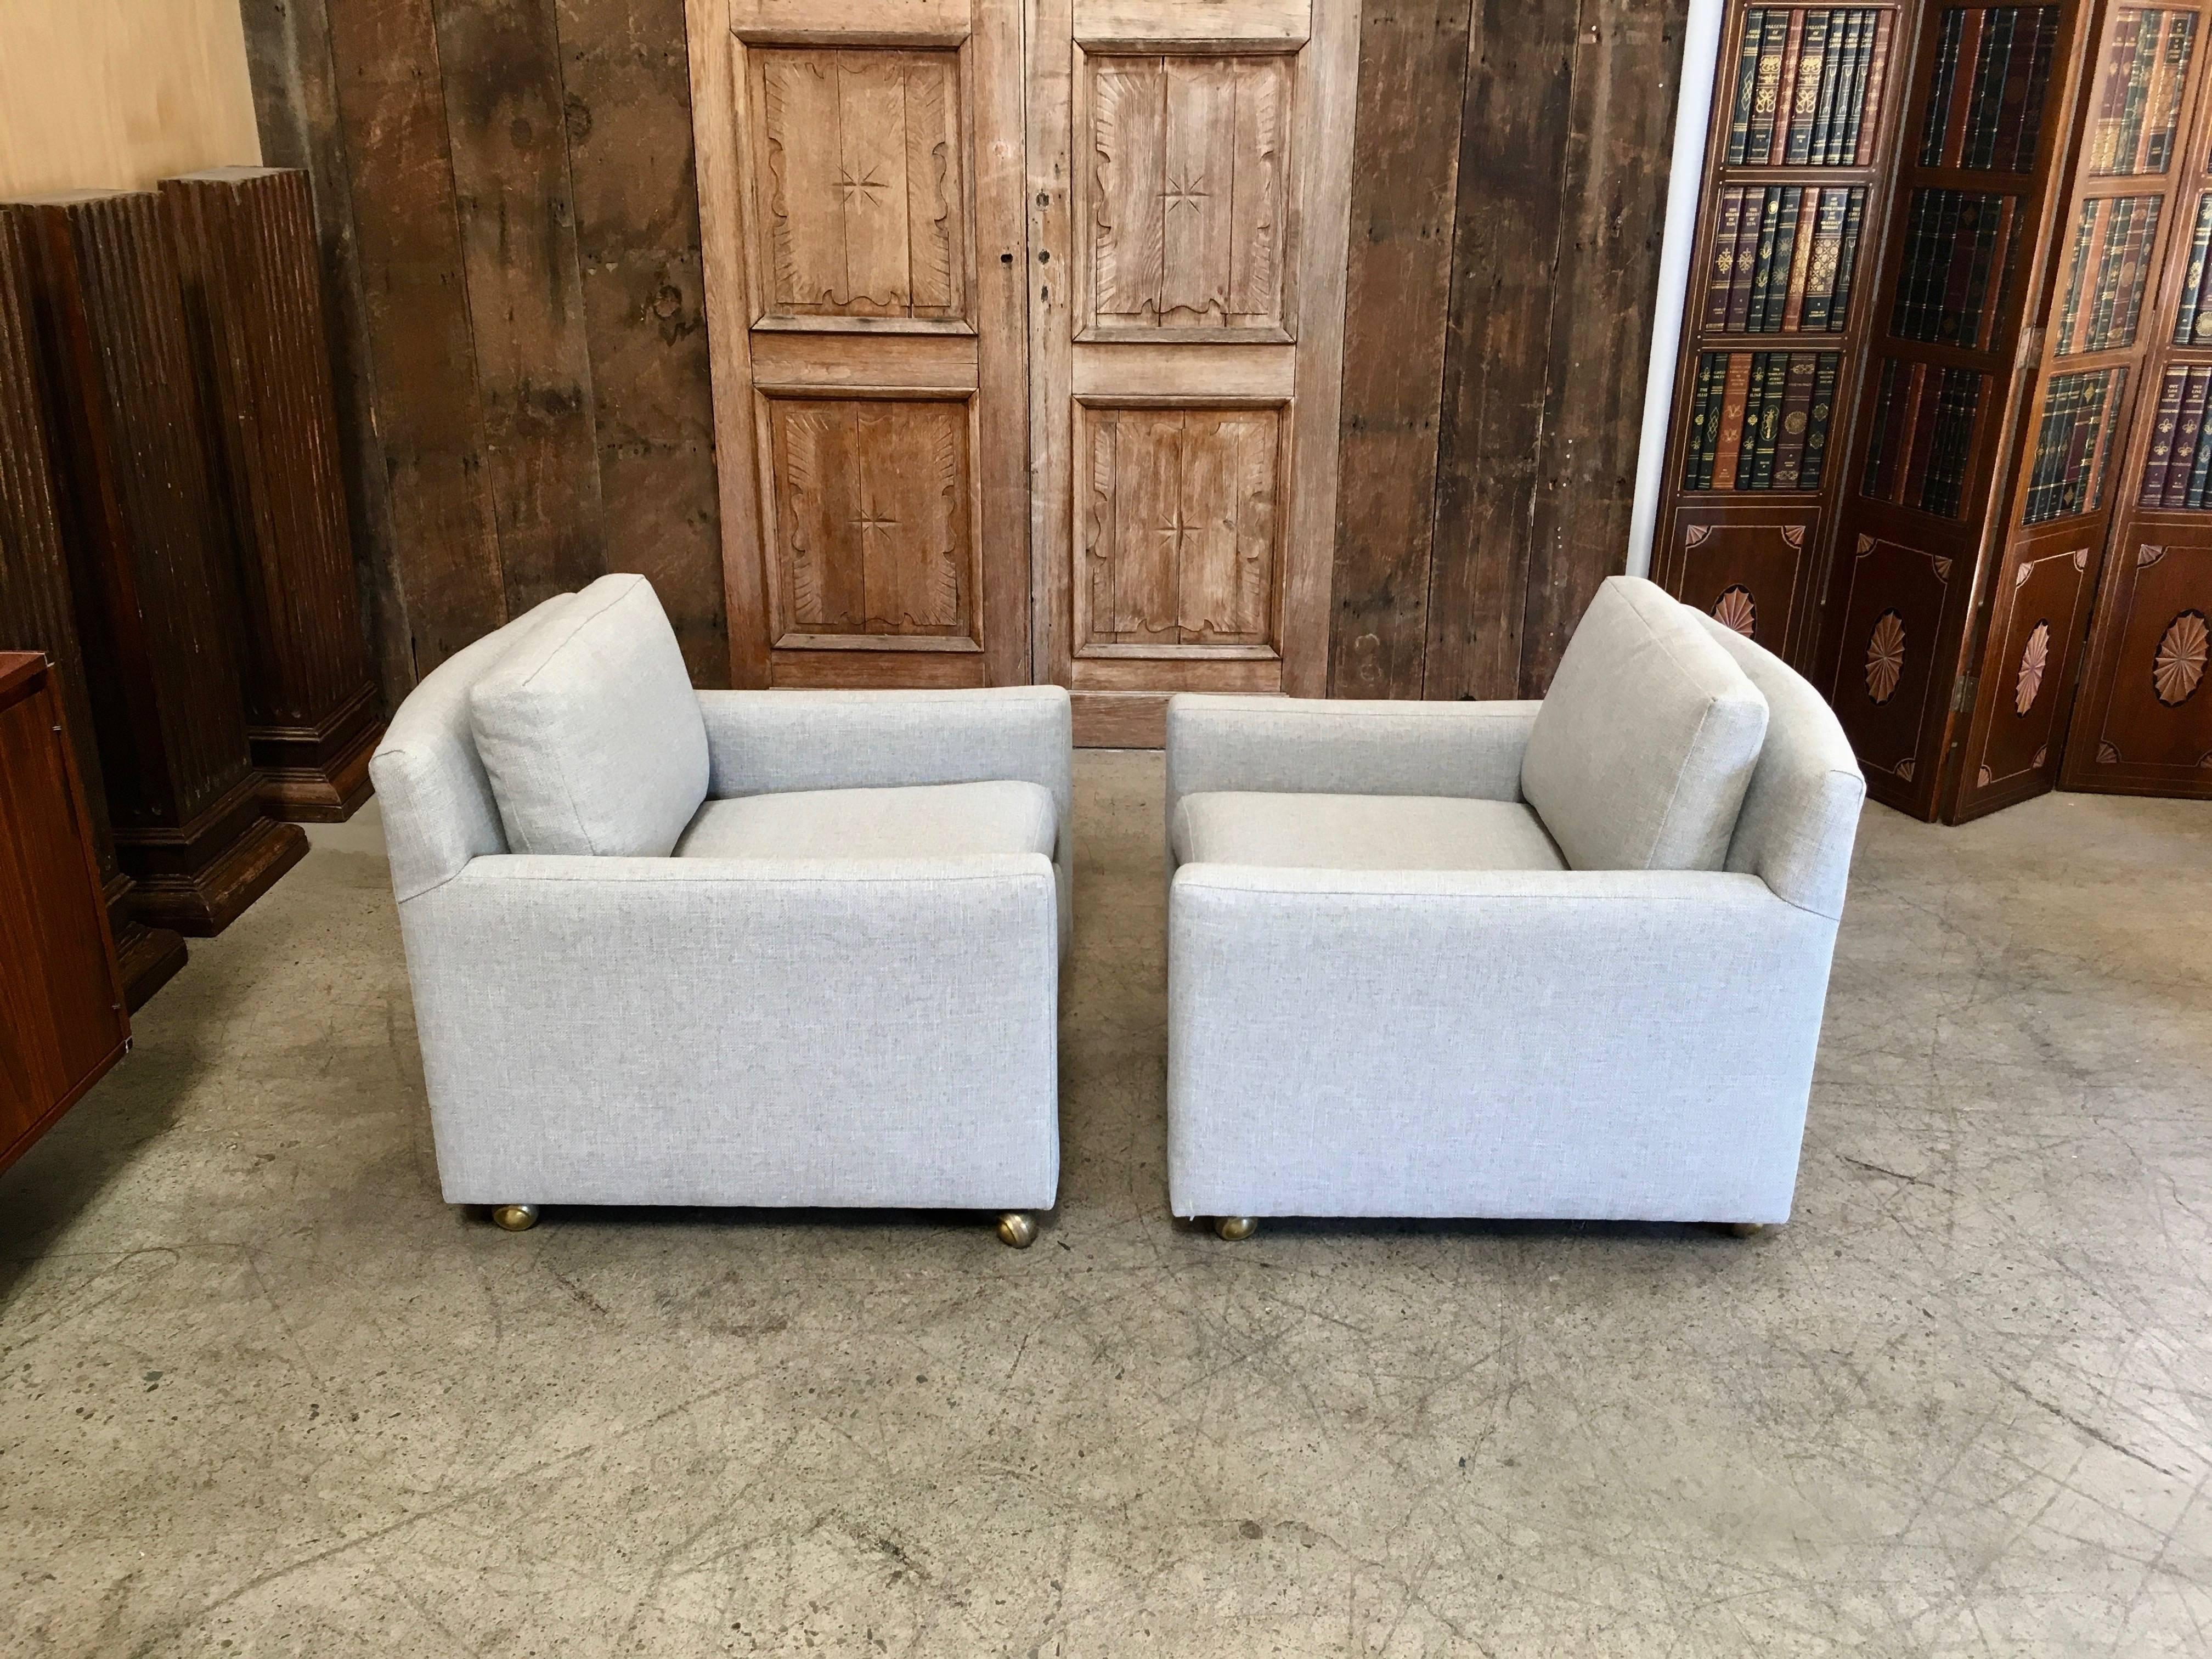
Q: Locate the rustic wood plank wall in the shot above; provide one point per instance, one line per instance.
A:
(1494, 393)
(508, 205)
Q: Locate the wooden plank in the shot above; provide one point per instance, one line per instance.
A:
(1626, 79)
(287, 45)
(1055, 299)
(1321, 168)
(1412, 64)
(1146, 369)
(1199, 151)
(1224, 22)
(940, 362)
(626, 74)
(1515, 113)
(1125, 228)
(715, 116)
(447, 545)
(1000, 253)
(510, 155)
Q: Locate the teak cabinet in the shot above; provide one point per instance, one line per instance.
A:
(1987, 547)
(62, 1017)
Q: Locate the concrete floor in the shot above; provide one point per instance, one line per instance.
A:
(262, 1393)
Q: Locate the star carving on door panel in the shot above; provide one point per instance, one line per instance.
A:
(866, 188)
(871, 521)
(1188, 192)
(1176, 530)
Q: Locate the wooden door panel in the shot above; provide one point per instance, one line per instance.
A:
(871, 499)
(1183, 195)
(861, 207)
(1179, 542)
(1186, 345)
(862, 193)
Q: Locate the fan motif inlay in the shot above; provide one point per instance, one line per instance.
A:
(1736, 609)
(2033, 657)
(2178, 667)
(1885, 659)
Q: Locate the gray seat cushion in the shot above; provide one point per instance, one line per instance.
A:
(923, 821)
(1362, 832)
(1641, 754)
(590, 731)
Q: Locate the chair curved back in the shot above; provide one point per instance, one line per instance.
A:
(1800, 816)
(437, 799)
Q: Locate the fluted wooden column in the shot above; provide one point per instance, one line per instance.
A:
(247, 250)
(36, 612)
(156, 593)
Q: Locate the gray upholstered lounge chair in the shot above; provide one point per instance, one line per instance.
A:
(1563, 959)
(778, 948)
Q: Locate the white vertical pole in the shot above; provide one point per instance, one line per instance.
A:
(1701, 45)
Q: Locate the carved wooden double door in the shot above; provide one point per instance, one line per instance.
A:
(1026, 318)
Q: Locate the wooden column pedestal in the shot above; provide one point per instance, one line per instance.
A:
(245, 247)
(36, 614)
(155, 592)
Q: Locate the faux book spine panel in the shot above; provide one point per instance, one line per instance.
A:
(1783, 258)
(2114, 240)
(1759, 420)
(1986, 98)
(2136, 111)
(2178, 468)
(2073, 443)
(1923, 433)
(2192, 321)
(1959, 249)
(1808, 87)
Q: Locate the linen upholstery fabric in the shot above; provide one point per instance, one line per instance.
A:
(1801, 814)
(768, 742)
(590, 731)
(1362, 832)
(603, 1031)
(924, 820)
(763, 1030)
(1586, 1044)
(1566, 1042)
(1643, 750)
(1285, 745)
(438, 807)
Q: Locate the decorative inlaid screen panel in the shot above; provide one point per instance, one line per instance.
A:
(856, 156)
(873, 509)
(1179, 514)
(1186, 176)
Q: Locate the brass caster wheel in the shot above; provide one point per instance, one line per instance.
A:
(515, 1217)
(1018, 1230)
(1234, 1227)
(1743, 1228)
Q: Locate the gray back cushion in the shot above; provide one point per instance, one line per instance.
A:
(1641, 754)
(1801, 815)
(590, 731)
